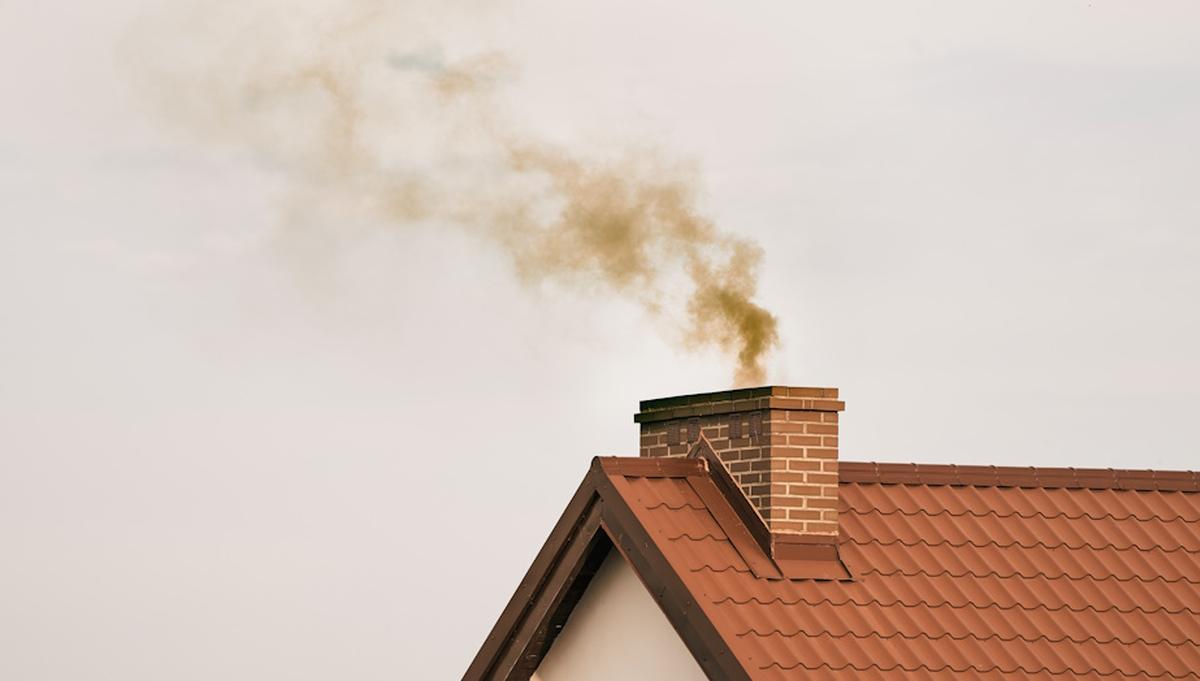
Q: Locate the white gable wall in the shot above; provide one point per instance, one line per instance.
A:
(617, 631)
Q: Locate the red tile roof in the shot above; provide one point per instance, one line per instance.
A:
(991, 573)
(1000, 581)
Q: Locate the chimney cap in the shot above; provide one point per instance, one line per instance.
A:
(741, 399)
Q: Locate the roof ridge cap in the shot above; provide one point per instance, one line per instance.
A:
(1046, 477)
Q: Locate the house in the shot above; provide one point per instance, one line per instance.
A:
(738, 546)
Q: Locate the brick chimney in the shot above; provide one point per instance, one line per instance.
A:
(780, 444)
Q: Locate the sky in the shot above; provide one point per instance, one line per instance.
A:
(229, 455)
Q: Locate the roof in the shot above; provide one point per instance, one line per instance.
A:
(995, 572)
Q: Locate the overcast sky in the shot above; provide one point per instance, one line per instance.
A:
(981, 221)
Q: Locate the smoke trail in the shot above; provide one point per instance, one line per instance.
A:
(337, 101)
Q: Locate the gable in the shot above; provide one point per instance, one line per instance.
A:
(598, 518)
(617, 631)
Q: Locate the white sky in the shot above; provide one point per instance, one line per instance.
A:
(981, 221)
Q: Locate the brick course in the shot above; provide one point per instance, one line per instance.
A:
(779, 443)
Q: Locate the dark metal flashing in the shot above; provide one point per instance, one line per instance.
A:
(809, 556)
(596, 519)
(746, 516)
(1010, 476)
(770, 556)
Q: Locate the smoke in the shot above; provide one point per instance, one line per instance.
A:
(366, 116)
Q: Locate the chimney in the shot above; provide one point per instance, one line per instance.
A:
(780, 444)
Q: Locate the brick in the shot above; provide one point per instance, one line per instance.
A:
(801, 514)
(813, 392)
(804, 490)
(789, 502)
(820, 453)
(821, 478)
(807, 440)
(790, 477)
(821, 429)
(774, 513)
(799, 403)
(788, 427)
(804, 465)
(829, 441)
(788, 526)
(814, 416)
(821, 502)
(656, 451)
(820, 527)
(786, 452)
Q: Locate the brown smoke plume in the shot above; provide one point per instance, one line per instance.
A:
(327, 97)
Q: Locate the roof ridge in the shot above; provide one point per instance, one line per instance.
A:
(865, 472)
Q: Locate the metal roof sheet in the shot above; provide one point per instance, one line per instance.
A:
(961, 571)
